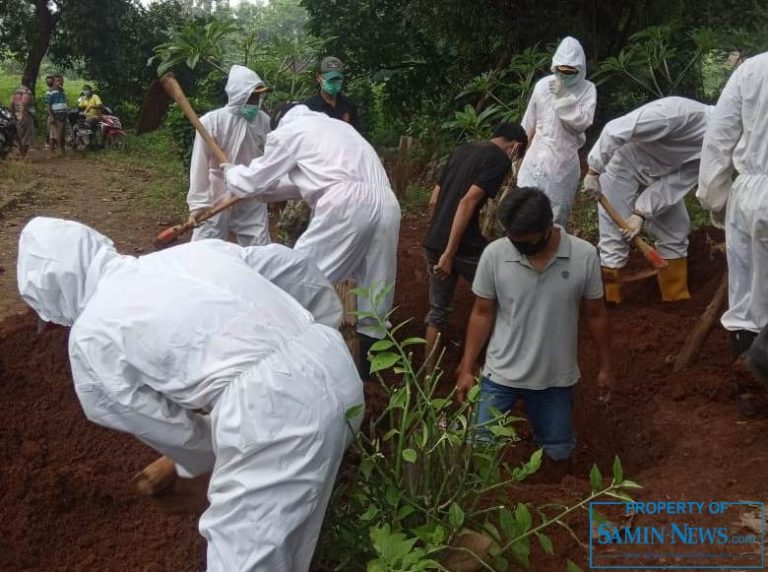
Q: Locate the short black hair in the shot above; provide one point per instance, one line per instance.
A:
(525, 210)
(512, 132)
(86, 86)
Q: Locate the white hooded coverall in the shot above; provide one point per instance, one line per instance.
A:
(355, 221)
(556, 126)
(155, 339)
(656, 146)
(737, 140)
(242, 141)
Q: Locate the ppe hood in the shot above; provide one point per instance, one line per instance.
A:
(570, 53)
(241, 84)
(296, 112)
(60, 262)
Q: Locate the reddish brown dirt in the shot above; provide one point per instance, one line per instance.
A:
(65, 491)
(66, 500)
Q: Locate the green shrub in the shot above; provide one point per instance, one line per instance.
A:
(420, 485)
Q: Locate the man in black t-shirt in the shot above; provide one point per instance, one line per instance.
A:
(452, 247)
(329, 99)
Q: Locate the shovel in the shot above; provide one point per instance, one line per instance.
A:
(651, 254)
(162, 92)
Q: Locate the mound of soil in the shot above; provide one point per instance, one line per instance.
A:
(66, 499)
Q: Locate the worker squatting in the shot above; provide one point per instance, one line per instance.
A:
(226, 358)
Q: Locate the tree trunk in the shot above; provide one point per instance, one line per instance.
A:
(46, 22)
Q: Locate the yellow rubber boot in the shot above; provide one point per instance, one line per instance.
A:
(673, 280)
(612, 285)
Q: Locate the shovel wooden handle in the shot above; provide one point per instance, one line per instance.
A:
(703, 325)
(170, 234)
(650, 253)
(174, 91)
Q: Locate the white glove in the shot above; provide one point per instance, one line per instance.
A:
(225, 166)
(591, 187)
(195, 214)
(634, 225)
(556, 87)
(717, 218)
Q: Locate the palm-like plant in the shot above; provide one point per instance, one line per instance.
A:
(195, 44)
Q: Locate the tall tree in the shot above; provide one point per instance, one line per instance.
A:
(27, 28)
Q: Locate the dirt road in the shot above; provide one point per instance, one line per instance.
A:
(111, 198)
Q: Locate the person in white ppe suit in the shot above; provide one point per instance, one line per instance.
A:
(560, 110)
(240, 129)
(355, 224)
(737, 141)
(656, 147)
(155, 340)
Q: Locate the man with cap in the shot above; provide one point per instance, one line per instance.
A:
(294, 216)
(329, 99)
(240, 128)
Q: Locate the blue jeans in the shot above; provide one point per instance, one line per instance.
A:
(549, 412)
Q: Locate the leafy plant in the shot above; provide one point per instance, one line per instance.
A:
(508, 89)
(658, 62)
(471, 124)
(194, 44)
(430, 484)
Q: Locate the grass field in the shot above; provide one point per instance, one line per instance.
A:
(156, 153)
(9, 83)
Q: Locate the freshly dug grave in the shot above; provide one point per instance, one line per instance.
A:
(66, 499)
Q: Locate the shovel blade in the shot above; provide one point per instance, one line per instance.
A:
(153, 110)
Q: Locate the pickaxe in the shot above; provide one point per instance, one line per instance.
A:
(162, 92)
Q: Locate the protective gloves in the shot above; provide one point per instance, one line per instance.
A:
(194, 215)
(717, 218)
(634, 225)
(226, 166)
(591, 186)
(556, 87)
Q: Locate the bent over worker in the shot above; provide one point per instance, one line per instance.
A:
(355, 222)
(737, 140)
(240, 129)
(156, 339)
(646, 162)
(560, 110)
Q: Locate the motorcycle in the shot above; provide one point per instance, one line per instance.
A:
(7, 132)
(82, 134)
(112, 132)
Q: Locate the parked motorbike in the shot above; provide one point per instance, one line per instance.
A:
(82, 135)
(85, 134)
(7, 132)
(113, 135)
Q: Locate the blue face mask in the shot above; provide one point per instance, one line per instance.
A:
(250, 112)
(87, 93)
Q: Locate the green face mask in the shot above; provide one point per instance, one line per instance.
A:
(332, 87)
(249, 112)
(568, 80)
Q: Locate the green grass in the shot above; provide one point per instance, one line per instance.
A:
(9, 83)
(166, 188)
(416, 199)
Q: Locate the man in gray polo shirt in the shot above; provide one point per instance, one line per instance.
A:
(531, 287)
